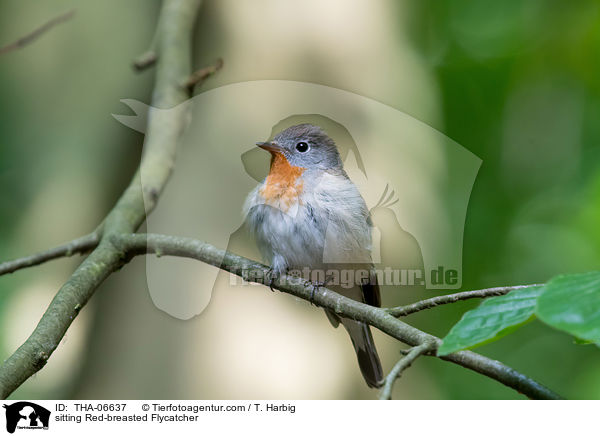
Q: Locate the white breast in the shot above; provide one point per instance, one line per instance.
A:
(327, 225)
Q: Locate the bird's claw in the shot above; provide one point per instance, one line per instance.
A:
(315, 287)
(271, 276)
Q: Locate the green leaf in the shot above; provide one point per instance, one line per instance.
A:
(578, 341)
(572, 303)
(494, 318)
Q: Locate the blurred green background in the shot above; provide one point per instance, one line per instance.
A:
(514, 82)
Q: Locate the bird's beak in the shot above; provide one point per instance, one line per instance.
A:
(270, 146)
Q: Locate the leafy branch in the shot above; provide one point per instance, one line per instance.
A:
(130, 244)
(570, 303)
(133, 244)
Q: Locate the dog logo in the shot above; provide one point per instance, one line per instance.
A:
(26, 415)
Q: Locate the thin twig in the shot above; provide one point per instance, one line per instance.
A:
(401, 365)
(80, 245)
(202, 74)
(452, 298)
(249, 270)
(30, 37)
(145, 60)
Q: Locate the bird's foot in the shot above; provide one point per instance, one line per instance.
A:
(271, 276)
(315, 285)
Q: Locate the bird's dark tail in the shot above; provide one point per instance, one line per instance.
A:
(368, 359)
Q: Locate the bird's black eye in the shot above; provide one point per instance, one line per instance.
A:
(302, 147)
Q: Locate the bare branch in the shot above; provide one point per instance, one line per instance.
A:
(145, 60)
(199, 76)
(176, 22)
(30, 37)
(401, 365)
(76, 246)
(135, 244)
(452, 298)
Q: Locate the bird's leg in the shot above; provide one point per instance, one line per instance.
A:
(316, 285)
(271, 276)
(278, 267)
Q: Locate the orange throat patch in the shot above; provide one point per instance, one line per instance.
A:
(283, 185)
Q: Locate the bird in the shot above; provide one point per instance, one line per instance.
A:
(307, 216)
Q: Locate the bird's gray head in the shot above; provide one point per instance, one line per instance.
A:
(305, 146)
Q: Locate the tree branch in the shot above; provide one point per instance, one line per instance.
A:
(30, 37)
(80, 245)
(136, 244)
(148, 58)
(202, 74)
(452, 298)
(175, 26)
(145, 60)
(401, 365)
